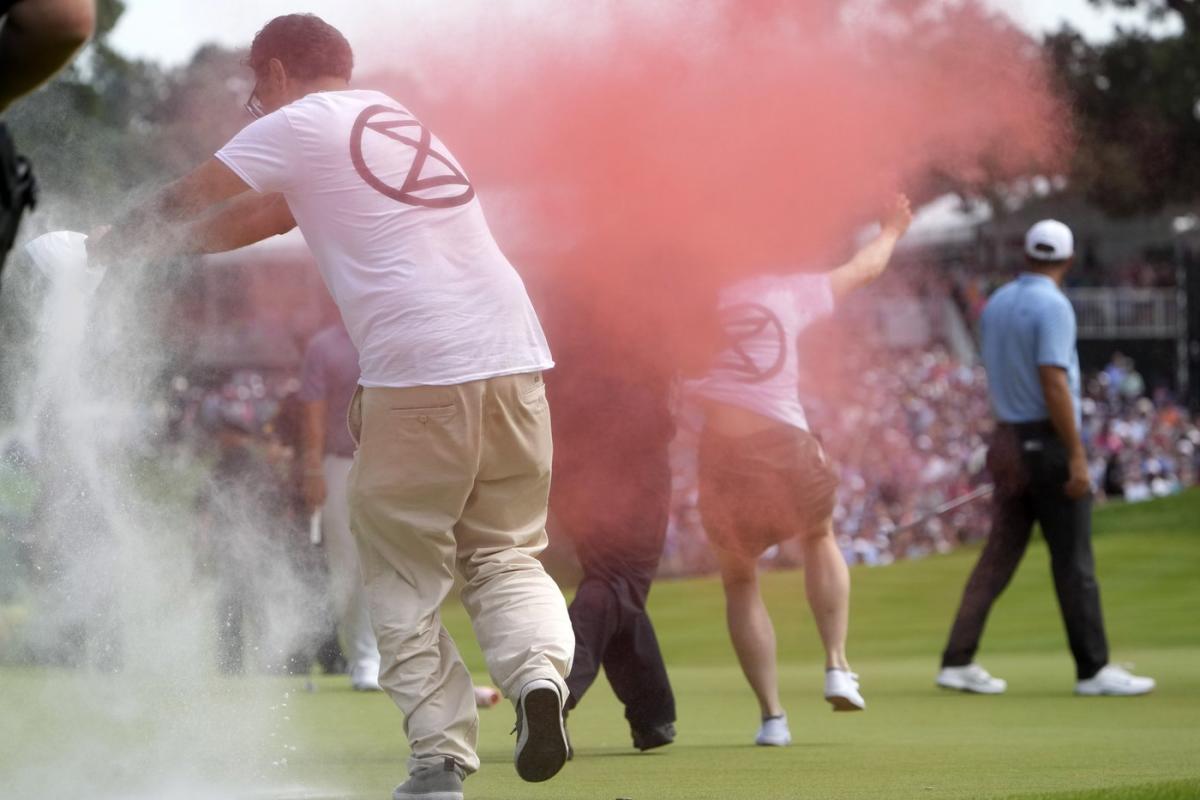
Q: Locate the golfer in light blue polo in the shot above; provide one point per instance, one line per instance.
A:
(1041, 472)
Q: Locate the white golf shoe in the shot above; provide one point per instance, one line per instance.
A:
(774, 732)
(971, 678)
(842, 691)
(1114, 681)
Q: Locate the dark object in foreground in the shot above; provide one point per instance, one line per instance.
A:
(18, 192)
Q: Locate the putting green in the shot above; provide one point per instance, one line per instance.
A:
(1038, 742)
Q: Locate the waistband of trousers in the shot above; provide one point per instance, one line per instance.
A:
(1042, 429)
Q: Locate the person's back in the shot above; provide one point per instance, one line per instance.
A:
(1040, 471)
(1027, 323)
(399, 236)
(450, 420)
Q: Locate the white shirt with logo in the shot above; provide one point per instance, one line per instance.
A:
(399, 237)
(759, 369)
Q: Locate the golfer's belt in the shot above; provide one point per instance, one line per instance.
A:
(18, 192)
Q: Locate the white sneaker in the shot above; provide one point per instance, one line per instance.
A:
(1114, 681)
(971, 678)
(365, 678)
(774, 732)
(841, 690)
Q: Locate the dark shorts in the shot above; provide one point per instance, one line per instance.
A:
(760, 490)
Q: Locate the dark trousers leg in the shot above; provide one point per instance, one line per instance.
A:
(613, 631)
(595, 617)
(635, 669)
(619, 552)
(1012, 524)
(1067, 526)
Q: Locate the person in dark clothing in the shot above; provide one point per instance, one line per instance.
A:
(611, 495)
(37, 38)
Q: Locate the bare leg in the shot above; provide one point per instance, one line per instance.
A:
(751, 630)
(827, 586)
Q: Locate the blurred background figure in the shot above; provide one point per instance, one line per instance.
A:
(240, 489)
(329, 380)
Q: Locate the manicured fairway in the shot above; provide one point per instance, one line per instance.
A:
(1038, 742)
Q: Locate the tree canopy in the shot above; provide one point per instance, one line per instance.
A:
(1136, 104)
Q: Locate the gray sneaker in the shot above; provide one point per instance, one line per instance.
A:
(433, 783)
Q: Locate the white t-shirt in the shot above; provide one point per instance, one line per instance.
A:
(399, 237)
(759, 370)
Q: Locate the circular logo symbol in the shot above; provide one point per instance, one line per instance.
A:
(757, 343)
(433, 179)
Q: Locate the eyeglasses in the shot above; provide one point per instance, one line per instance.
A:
(254, 106)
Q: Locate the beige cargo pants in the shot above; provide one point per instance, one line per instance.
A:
(446, 477)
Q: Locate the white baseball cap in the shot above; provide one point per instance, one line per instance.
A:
(1050, 240)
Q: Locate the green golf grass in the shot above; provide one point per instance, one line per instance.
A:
(1037, 742)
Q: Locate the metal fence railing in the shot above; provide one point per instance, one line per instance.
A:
(1127, 313)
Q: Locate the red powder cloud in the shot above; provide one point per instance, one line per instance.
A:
(678, 145)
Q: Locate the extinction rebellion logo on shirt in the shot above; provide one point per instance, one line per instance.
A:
(756, 341)
(433, 180)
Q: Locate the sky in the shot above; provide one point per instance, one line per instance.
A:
(169, 31)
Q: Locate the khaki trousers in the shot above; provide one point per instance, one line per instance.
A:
(446, 477)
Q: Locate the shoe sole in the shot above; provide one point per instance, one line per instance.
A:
(968, 690)
(643, 748)
(1112, 694)
(543, 751)
(840, 703)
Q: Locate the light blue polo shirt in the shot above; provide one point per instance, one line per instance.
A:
(1027, 324)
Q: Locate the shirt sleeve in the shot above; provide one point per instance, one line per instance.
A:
(313, 384)
(813, 294)
(265, 154)
(1056, 336)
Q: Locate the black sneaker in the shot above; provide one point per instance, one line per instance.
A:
(649, 738)
(433, 783)
(541, 735)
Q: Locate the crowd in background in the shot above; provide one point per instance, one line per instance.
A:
(909, 439)
(906, 426)
(913, 437)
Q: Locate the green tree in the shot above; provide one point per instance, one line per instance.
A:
(1186, 12)
(1136, 101)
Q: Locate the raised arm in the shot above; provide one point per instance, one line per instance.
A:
(871, 261)
(37, 40)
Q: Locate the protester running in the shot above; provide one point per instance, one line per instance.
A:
(450, 418)
(764, 478)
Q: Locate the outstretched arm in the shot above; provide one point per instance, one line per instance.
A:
(871, 262)
(179, 220)
(38, 38)
(239, 223)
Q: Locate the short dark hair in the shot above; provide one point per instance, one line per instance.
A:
(1041, 263)
(306, 45)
